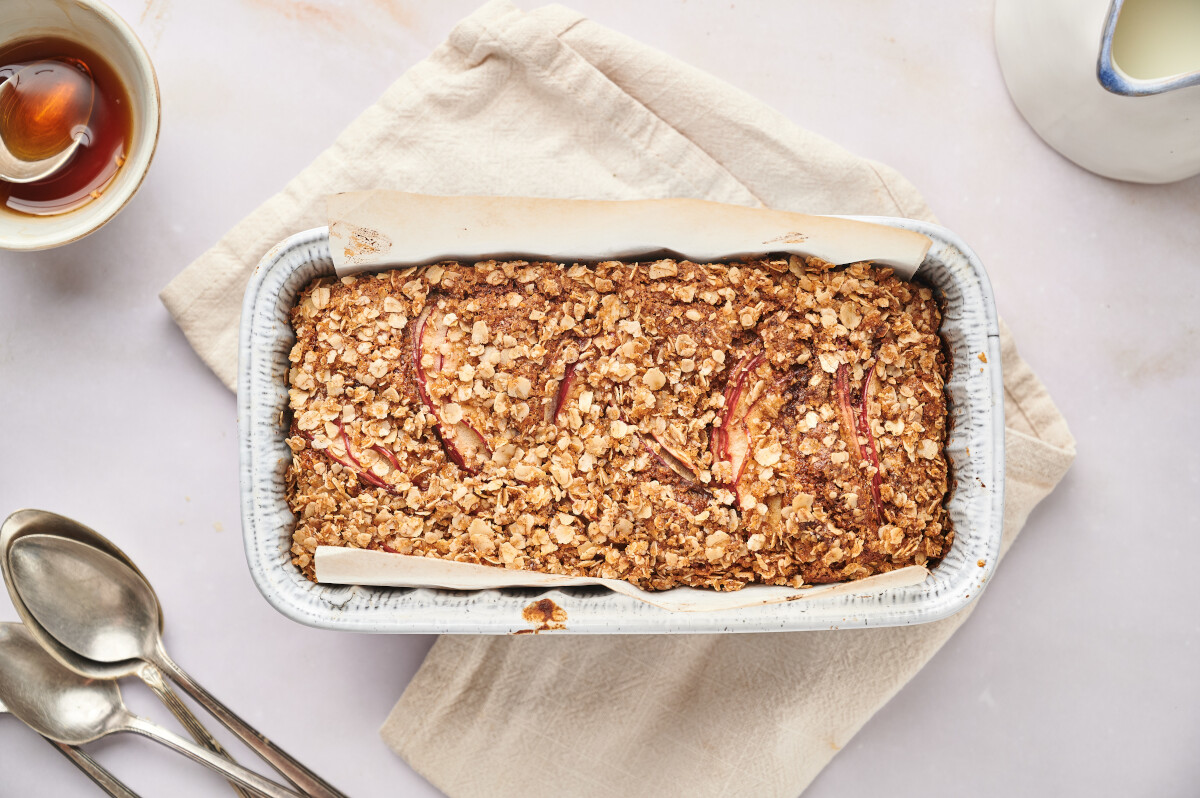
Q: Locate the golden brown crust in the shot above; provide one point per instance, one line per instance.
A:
(667, 423)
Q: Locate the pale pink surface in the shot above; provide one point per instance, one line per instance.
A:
(112, 418)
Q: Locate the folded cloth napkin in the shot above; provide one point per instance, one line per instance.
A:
(547, 103)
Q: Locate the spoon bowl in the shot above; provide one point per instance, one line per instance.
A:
(71, 709)
(118, 617)
(86, 600)
(51, 700)
(90, 767)
(42, 525)
(24, 523)
(44, 111)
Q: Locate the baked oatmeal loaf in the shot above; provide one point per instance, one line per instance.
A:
(668, 423)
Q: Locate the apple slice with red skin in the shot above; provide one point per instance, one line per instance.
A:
(846, 421)
(341, 461)
(391, 458)
(689, 491)
(464, 445)
(555, 408)
(353, 463)
(346, 443)
(364, 474)
(666, 457)
(872, 449)
(462, 442)
(730, 442)
(734, 389)
(855, 424)
(716, 441)
(436, 335)
(673, 460)
(390, 455)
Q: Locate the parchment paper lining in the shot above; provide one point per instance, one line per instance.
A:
(345, 566)
(374, 230)
(371, 230)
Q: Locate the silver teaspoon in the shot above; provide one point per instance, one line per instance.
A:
(26, 522)
(100, 608)
(66, 707)
(93, 769)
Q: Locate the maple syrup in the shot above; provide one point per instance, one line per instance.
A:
(53, 109)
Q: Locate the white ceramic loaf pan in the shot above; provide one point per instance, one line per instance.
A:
(975, 446)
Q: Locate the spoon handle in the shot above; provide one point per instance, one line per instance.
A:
(309, 783)
(94, 770)
(247, 778)
(154, 679)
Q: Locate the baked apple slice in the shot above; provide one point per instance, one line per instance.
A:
(429, 336)
(556, 405)
(465, 445)
(730, 442)
(672, 460)
(665, 456)
(350, 461)
(854, 422)
(554, 408)
(872, 448)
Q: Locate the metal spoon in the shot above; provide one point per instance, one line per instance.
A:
(25, 522)
(97, 606)
(66, 707)
(49, 103)
(93, 769)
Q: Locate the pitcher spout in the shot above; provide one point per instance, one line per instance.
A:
(1150, 47)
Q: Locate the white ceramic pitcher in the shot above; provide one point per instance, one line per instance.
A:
(1114, 85)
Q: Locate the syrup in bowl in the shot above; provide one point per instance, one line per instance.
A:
(63, 90)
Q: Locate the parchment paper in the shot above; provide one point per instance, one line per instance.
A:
(345, 566)
(373, 230)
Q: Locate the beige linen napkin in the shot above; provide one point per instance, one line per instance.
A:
(730, 715)
(547, 103)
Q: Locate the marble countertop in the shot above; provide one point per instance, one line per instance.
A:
(1073, 670)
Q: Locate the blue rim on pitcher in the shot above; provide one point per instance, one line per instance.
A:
(1117, 81)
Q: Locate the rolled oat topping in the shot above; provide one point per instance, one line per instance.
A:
(668, 423)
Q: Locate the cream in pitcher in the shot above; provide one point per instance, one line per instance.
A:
(1156, 39)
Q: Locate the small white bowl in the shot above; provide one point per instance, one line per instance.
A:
(97, 27)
